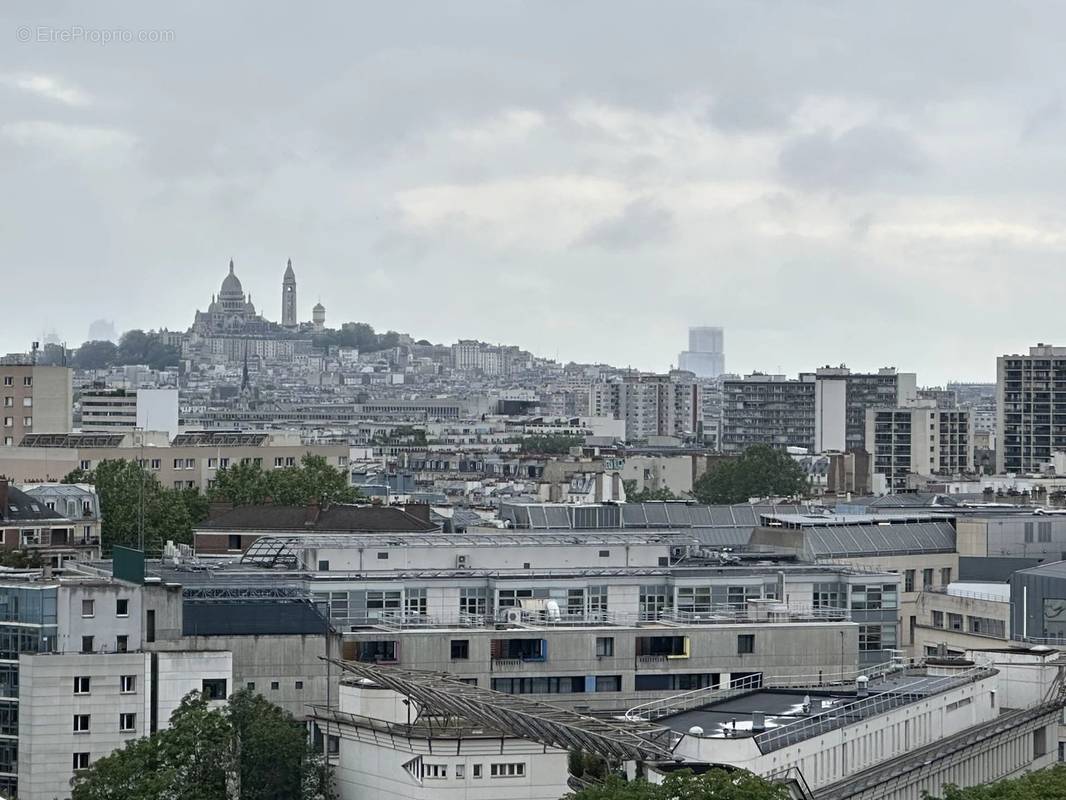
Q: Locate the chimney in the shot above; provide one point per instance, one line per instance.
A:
(3, 498)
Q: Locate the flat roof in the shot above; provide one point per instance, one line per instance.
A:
(787, 723)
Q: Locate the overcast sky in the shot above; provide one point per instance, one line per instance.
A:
(857, 182)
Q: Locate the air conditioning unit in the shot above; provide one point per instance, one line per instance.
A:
(512, 616)
(460, 562)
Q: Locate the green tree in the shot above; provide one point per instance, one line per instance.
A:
(550, 444)
(715, 784)
(634, 495)
(313, 481)
(138, 347)
(129, 493)
(760, 471)
(95, 355)
(1045, 784)
(250, 749)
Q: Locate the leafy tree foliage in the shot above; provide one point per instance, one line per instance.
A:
(358, 335)
(550, 444)
(95, 355)
(1045, 784)
(251, 749)
(313, 481)
(633, 495)
(760, 471)
(138, 347)
(124, 488)
(715, 784)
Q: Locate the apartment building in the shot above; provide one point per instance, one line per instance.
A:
(125, 410)
(842, 398)
(189, 460)
(57, 524)
(651, 405)
(1030, 408)
(925, 441)
(34, 399)
(768, 409)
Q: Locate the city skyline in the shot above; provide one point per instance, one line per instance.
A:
(837, 208)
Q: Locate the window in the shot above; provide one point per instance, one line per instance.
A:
(122, 644)
(27, 402)
(299, 685)
(604, 646)
(212, 463)
(1028, 531)
(323, 566)
(9, 422)
(828, 595)
(27, 381)
(653, 600)
(597, 599)
(460, 649)
(415, 603)
(122, 607)
(214, 688)
(873, 597)
(877, 637)
(81, 723)
(81, 761)
(507, 770)
(1039, 742)
(81, 684)
(156, 463)
(250, 686)
(745, 644)
(86, 644)
(383, 556)
(86, 464)
(8, 380)
(127, 723)
(233, 541)
(9, 402)
(473, 600)
(605, 553)
(290, 461)
(695, 599)
(279, 461)
(333, 744)
(477, 770)
(955, 622)
(27, 421)
(190, 463)
(945, 576)
(128, 684)
(460, 771)
(149, 627)
(908, 580)
(275, 685)
(927, 578)
(608, 683)
(938, 619)
(177, 463)
(434, 770)
(223, 462)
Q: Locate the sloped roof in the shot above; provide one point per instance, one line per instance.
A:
(21, 506)
(338, 518)
(251, 618)
(866, 540)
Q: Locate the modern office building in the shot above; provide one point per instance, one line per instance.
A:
(768, 409)
(919, 441)
(126, 410)
(1030, 409)
(34, 399)
(705, 357)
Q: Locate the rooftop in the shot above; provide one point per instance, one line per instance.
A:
(315, 519)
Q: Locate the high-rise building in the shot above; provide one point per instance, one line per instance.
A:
(919, 441)
(768, 409)
(124, 410)
(705, 357)
(288, 297)
(842, 398)
(33, 399)
(1030, 408)
(651, 405)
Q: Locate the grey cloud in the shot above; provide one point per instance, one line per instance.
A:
(643, 222)
(853, 160)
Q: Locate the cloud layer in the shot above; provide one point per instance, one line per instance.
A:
(830, 182)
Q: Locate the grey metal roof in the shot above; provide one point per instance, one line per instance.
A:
(640, 515)
(867, 540)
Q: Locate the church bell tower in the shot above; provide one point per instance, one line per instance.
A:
(288, 298)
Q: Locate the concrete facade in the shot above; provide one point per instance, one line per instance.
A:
(34, 399)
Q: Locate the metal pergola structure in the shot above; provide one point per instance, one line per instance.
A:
(440, 694)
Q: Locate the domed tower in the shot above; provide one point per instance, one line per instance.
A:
(288, 298)
(231, 296)
(318, 317)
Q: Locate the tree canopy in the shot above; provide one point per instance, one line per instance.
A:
(1045, 784)
(634, 495)
(760, 471)
(313, 481)
(249, 745)
(550, 444)
(95, 355)
(122, 486)
(135, 347)
(715, 784)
